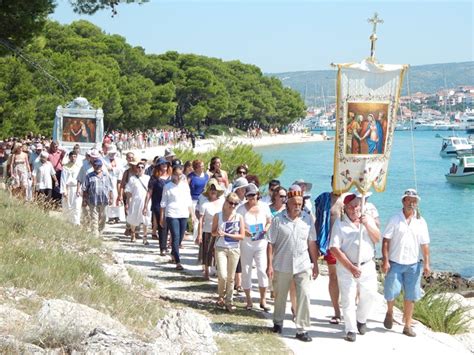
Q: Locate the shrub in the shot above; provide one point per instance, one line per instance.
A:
(440, 312)
(233, 155)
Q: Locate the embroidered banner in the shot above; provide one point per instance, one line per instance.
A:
(366, 114)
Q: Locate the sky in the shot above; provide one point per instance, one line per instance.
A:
(285, 35)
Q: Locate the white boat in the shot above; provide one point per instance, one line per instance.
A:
(466, 120)
(455, 146)
(463, 172)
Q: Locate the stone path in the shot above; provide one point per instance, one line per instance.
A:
(188, 287)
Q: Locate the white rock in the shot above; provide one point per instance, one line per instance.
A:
(64, 322)
(186, 332)
(12, 321)
(10, 345)
(118, 273)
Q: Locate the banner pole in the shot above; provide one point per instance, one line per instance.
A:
(362, 207)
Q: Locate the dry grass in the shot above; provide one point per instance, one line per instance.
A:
(57, 260)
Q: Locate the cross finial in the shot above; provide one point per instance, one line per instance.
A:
(375, 20)
(373, 37)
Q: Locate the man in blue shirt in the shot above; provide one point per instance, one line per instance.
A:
(97, 194)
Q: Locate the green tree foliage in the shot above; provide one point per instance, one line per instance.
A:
(135, 90)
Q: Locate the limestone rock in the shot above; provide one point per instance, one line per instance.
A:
(186, 332)
(65, 323)
(10, 345)
(12, 321)
(105, 342)
(118, 273)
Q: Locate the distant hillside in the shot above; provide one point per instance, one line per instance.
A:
(424, 78)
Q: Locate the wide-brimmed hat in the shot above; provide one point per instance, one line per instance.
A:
(94, 153)
(169, 153)
(239, 183)
(135, 161)
(112, 150)
(213, 183)
(161, 161)
(411, 193)
(251, 189)
(308, 185)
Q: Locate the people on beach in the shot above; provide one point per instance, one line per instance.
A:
(353, 239)
(406, 255)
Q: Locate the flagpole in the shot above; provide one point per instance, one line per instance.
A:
(362, 207)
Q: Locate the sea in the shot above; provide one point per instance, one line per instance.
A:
(415, 163)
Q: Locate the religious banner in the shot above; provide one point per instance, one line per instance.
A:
(366, 114)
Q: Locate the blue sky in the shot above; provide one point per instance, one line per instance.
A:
(281, 36)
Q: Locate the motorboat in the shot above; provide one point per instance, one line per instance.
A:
(467, 121)
(455, 146)
(463, 172)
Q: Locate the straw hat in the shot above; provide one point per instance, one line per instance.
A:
(217, 187)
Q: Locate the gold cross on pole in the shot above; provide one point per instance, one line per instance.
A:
(373, 37)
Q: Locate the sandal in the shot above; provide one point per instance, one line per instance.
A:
(220, 303)
(179, 267)
(265, 308)
(249, 307)
(230, 307)
(146, 242)
(154, 237)
(335, 320)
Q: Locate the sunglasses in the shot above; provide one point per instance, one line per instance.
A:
(242, 172)
(233, 204)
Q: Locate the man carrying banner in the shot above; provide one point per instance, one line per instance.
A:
(405, 234)
(353, 239)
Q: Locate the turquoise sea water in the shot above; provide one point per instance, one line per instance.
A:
(448, 209)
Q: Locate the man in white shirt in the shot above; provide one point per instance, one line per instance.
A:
(43, 176)
(405, 238)
(355, 266)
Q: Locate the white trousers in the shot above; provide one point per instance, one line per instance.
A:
(72, 206)
(247, 255)
(348, 286)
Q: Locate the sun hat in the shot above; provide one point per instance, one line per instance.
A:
(161, 161)
(308, 185)
(112, 150)
(294, 191)
(217, 187)
(94, 153)
(251, 189)
(411, 193)
(169, 153)
(239, 183)
(135, 161)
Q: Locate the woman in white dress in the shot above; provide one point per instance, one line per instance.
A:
(71, 201)
(137, 190)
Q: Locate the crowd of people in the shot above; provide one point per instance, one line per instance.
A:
(239, 229)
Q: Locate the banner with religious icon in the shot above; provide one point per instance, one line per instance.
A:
(367, 96)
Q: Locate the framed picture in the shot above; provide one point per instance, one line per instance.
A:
(80, 130)
(366, 127)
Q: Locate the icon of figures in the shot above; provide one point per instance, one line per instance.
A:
(85, 133)
(381, 123)
(353, 130)
(75, 130)
(371, 135)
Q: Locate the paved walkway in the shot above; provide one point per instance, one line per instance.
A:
(326, 337)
